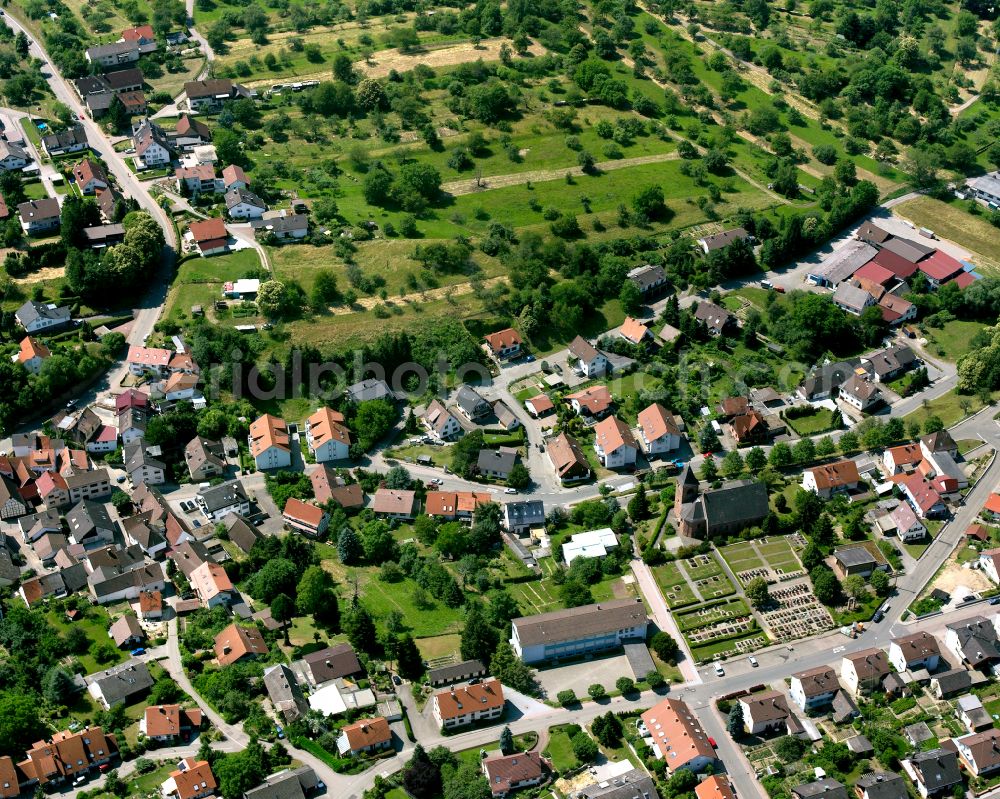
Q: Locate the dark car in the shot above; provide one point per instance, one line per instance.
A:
(879, 615)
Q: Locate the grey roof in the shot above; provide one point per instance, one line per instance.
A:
(882, 785)
(9, 572)
(735, 502)
(826, 377)
(497, 460)
(470, 401)
(369, 389)
(9, 148)
(634, 784)
(938, 768)
(504, 414)
(872, 232)
(239, 195)
(987, 184)
(112, 49)
(332, 663)
(721, 240)
(284, 693)
(80, 479)
(860, 745)
(31, 311)
(911, 250)
(852, 297)
(106, 581)
(289, 223)
(574, 623)
(241, 532)
(189, 555)
(953, 681)
(826, 788)
(843, 707)
(201, 451)
(518, 514)
(88, 517)
(645, 277)
(99, 233)
(712, 316)
(65, 138)
(887, 361)
(940, 441)
(854, 556)
(137, 456)
(288, 784)
(121, 682)
(843, 263)
(456, 672)
(223, 495)
(859, 387)
(583, 349)
(978, 639)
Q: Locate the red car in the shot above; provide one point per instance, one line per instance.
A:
(81, 117)
(712, 743)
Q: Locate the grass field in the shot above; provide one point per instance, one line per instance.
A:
(199, 281)
(779, 554)
(953, 339)
(819, 421)
(741, 557)
(950, 221)
(439, 646)
(951, 408)
(676, 591)
(560, 750)
(95, 624)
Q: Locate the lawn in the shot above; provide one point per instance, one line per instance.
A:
(95, 624)
(560, 750)
(951, 407)
(953, 339)
(741, 557)
(199, 281)
(950, 221)
(819, 421)
(701, 567)
(151, 782)
(439, 646)
(780, 554)
(676, 590)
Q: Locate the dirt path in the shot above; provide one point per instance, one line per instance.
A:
(473, 185)
(454, 290)
(384, 61)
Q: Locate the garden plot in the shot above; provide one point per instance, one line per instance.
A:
(798, 614)
(720, 629)
(772, 558)
(705, 573)
(677, 592)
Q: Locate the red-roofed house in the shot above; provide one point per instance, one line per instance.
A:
(896, 264)
(143, 359)
(634, 331)
(193, 779)
(31, 355)
(89, 176)
(233, 177)
(991, 510)
(131, 399)
(305, 518)
(504, 344)
(926, 501)
(106, 440)
(896, 310)
(963, 279)
(940, 268)
(876, 274)
(539, 406)
(209, 236)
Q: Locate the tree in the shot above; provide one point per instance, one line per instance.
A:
(370, 95)
(584, 747)
(755, 460)
(237, 773)
(856, 587)
(790, 748)
(732, 464)
(708, 439)
(566, 698)
(655, 680)
(277, 576)
(780, 456)
(630, 297)
(273, 299)
(709, 469)
(349, 548)
(597, 692)
(506, 741)
(757, 592)
(880, 582)
(409, 662)
(625, 686)
(324, 290)
(359, 627)
(58, 687)
(282, 609)
(649, 204)
(398, 478)
(511, 670)
(519, 477)
(734, 724)
(664, 646)
(479, 637)
(608, 729)
(421, 777)
(638, 506)
(825, 585)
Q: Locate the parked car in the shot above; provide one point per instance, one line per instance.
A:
(753, 661)
(510, 490)
(138, 651)
(719, 671)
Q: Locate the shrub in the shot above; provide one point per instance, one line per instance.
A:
(566, 698)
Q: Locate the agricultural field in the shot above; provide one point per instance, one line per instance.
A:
(952, 220)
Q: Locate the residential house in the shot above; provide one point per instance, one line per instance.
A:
(370, 389)
(716, 786)
(32, 354)
(209, 236)
(205, 459)
(212, 585)
(71, 140)
(860, 394)
(906, 524)
(914, 651)
(578, 631)
(333, 663)
(504, 344)
(305, 518)
(863, 671)
(903, 458)
(881, 785)
(508, 773)
(170, 724)
(191, 133)
(327, 486)
(217, 502)
(196, 179)
(455, 672)
(852, 299)
(986, 188)
(327, 436)
(749, 428)
(973, 641)
(236, 643)
(934, 773)
(767, 712)
(193, 779)
(651, 280)
(284, 692)
(460, 706)
(471, 403)
(270, 443)
(142, 467)
(952, 682)
(814, 688)
(286, 784)
(973, 715)
(150, 605)
(823, 788)
(678, 737)
(825, 380)
(567, 459)
(12, 156)
(132, 425)
(496, 464)
(188, 556)
(244, 204)
(520, 518)
(121, 684)
(440, 423)
(87, 485)
(139, 531)
(126, 631)
(888, 364)
(39, 216)
(505, 416)
(539, 406)
(242, 533)
(90, 524)
(113, 54)
(365, 736)
(12, 504)
(281, 226)
(717, 321)
(152, 147)
(980, 752)
(141, 35)
(586, 359)
(989, 563)
(89, 176)
(922, 496)
(614, 444)
(591, 544)
(68, 756)
(395, 504)
(100, 236)
(108, 584)
(35, 316)
(719, 241)
(832, 478)
(896, 310)
(935, 443)
(233, 176)
(210, 95)
(658, 430)
(634, 331)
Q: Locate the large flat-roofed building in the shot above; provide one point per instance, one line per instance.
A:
(578, 631)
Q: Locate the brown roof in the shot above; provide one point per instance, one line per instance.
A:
(448, 503)
(541, 403)
(656, 422)
(213, 87)
(869, 663)
(150, 601)
(9, 788)
(612, 433)
(193, 778)
(817, 681)
(391, 500)
(583, 349)
(734, 406)
(917, 646)
(233, 173)
(163, 720)
(595, 400)
(328, 425)
(502, 339)
(567, 457)
(767, 706)
(367, 732)
(332, 663)
(834, 475)
(984, 749)
(205, 230)
(573, 623)
(186, 126)
(506, 772)
(300, 511)
(676, 733)
(906, 454)
(236, 642)
(746, 423)
(88, 170)
(266, 432)
(458, 701)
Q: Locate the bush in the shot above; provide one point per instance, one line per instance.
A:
(566, 698)
(625, 685)
(597, 692)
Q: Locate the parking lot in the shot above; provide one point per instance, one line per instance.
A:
(578, 677)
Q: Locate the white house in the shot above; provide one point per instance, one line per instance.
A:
(989, 564)
(12, 156)
(35, 316)
(864, 671)
(269, 443)
(658, 430)
(244, 204)
(592, 544)
(908, 526)
(913, 652)
(614, 443)
(328, 436)
(460, 706)
(588, 360)
(217, 502)
(814, 688)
